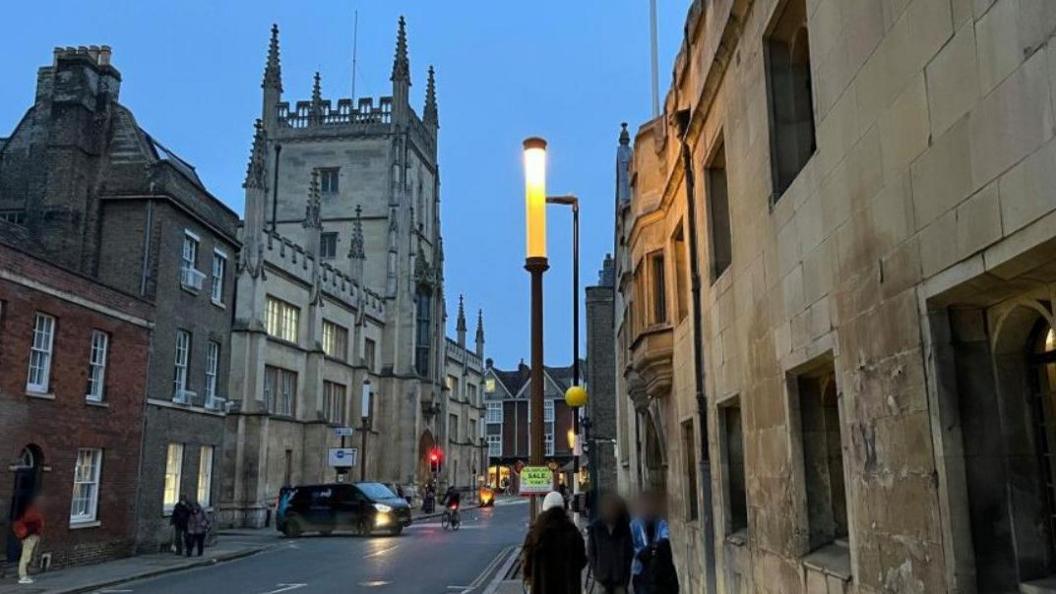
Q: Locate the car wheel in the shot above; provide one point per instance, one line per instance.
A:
(364, 527)
(293, 529)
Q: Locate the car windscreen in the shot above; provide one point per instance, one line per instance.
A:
(375, 490)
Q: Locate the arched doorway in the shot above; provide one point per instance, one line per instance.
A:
(426, 443)
(655, 467)
(27, 469)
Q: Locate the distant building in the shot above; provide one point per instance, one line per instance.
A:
(85, 188)
(601, 377)
(506, 398)
(74, 356)
(341, 286)
(465, 456)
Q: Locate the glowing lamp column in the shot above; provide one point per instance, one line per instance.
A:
(536, 264)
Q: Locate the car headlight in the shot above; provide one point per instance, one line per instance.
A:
(381, 507)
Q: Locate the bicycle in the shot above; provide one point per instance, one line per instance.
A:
(451, 519)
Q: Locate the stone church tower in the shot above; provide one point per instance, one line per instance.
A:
(342, 235)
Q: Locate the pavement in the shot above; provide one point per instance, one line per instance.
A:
(424, 559)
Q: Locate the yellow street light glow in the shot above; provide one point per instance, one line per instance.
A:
(571, 439)
(535, 196)
(576, 396)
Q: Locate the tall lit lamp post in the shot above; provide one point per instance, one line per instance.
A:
(364, 414)
(536, 264)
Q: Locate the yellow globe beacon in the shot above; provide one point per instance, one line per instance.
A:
(576, 396)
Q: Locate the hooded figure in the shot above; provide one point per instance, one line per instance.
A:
(554, 554)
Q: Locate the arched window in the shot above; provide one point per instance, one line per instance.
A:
(423, 335)
(1043, 374)
(26, 459)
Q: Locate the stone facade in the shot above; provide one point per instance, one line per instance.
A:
(871, 225)
(465, 456)
(90, 190)
(47, 429)
(601, 377)
(340, 290)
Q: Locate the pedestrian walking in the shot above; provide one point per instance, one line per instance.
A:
(180, 513)
(197, 528)
(28, 528)
(609, 546)
(653, 570)
(554, 555)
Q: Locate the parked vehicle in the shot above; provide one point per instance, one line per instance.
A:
(363, 508)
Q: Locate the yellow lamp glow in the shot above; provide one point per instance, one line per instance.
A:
(535, 196)
(576, 396)
(571, 439)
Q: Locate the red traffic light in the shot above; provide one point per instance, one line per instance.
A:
(436, 455)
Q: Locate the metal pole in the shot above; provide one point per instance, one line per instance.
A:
(363, 453)
(578, 447)
(536, 266)
(654, 61)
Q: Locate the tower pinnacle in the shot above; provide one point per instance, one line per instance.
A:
(355, 244)
(273, 70)
(312, 218)
(430, 115)
(401, 66)
(255, 178)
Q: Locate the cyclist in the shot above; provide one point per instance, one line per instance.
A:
(452, 499)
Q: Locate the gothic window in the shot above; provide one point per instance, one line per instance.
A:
(328, 180)
(423, 336)
(328, 246)
(792, 141)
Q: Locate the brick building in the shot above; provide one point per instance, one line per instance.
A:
(835, 297)
(90, 190)
(506, 401)
(74, 356)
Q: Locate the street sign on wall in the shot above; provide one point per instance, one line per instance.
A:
(536, 480)
(344, 431)
(343, 457)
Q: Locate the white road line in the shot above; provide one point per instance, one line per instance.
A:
(381, 552)
(285, 588)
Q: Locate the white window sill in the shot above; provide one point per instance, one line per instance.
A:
(190, 289)
(81, 524)
(98, 403)
(219, 304)
(833, 559)
(41, 395)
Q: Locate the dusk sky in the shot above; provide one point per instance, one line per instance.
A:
(569, 71)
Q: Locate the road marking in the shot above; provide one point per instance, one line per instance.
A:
(437, 525)
(373, 584)
(285, 588)
(381, 552)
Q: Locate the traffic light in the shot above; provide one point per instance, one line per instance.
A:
(436, 459)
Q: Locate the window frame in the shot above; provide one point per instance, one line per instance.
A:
(91, 514)
(493, 408)
(282, 319)
(334, 399)
(43, 354)
(205, 463)
(181, 364)
(328, 245)
(329, 180)
(335, 340)
(216, 289)
(97, 359)
(212, 370)
(175, 474)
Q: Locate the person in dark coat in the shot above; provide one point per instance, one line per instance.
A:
(610, 547)
(181, 512)
(554, 554)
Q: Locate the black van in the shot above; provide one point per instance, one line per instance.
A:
(361, 507)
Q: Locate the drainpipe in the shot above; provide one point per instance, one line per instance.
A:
(683, 118)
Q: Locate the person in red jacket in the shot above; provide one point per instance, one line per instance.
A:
(28, 528)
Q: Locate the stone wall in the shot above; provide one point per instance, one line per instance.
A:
(927, 190)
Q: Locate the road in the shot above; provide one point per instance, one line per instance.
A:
(426, 559)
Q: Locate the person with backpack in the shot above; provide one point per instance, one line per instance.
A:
(197, 528)
(28, 528)
(653, 570)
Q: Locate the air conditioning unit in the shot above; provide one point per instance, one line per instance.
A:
(183, 397)
(215, 403)
(192, 279)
